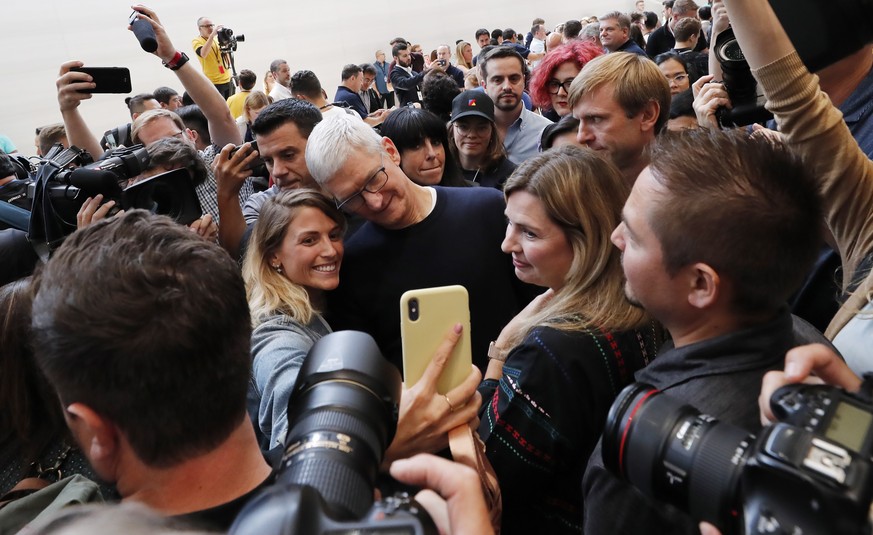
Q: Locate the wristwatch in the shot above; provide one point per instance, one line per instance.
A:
(178, 60)
(497, 353)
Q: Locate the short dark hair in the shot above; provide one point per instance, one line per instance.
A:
(650, 20)
(681, 105)
(368, 68)
(135, 104)
(572, 29)
(733, 216)
(349, 71)
(398, 48)
(686, 28)
(173, 153)
(194, 119)
(247, 79)
(303, 114)
(408, 127)
(500, 52)
(566, 124)
(704, 12)
(508, 34)
(164, 94)
(306, 83)
(497, 34)
(438, 90)
(151, 347)
(482, 31)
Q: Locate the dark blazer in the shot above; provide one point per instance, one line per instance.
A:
(406, 85)
(344, 94)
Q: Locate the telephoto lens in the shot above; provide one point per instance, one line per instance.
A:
(342, 415)
(673, 453)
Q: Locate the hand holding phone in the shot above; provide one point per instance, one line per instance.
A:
(107, 79)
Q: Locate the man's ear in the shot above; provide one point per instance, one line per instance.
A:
(193, 135)
(705, 286)
(391, 150)
(650, 114)
(96, 435)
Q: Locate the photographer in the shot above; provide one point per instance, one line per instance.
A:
(211, 58)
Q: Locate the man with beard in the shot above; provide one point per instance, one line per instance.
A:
(406, 81)
(504, 73)
(622, 101)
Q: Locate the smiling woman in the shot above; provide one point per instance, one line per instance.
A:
(294, 257)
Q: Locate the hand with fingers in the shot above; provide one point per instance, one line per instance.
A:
(452, 495)
(72, 86)
(166, 51)
(426, 416)
(205, 227)
(92, 211)
(708, 98)
(232, 168)
(814, 363)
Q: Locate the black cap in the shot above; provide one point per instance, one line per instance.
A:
(473, 102)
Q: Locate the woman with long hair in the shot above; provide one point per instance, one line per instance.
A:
(464, 56)
(474, 141)
(550, 81)
(570, 352)
(294, 257)
(420, 137)
(254, 103)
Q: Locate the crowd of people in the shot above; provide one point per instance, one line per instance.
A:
(579, 182)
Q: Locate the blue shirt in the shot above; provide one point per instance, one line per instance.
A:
(381, 77)
(523, 136)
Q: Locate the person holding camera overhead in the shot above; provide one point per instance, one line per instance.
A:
(210, 56)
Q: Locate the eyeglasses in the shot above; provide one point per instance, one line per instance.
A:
(207, 25)
(555, 86)
(178, 134)
(679, 78)
(478, 129)
(373, 185)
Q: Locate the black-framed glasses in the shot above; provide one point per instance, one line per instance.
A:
(373, 185)
(555, 86)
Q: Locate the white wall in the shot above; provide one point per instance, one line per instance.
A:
(36, 36)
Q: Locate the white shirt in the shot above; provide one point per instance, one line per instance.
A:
(280, 92)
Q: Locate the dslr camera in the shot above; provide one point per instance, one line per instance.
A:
(342, 415)
(811, 472)
(227, 41)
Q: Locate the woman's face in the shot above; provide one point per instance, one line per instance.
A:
(676, 76)
(541, 253)
(564, 74)
(472, 135)
(425, 163)
(468, 53)
(312, 251)
(252, 114)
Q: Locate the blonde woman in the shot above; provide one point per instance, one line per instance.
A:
(464, 56)
(570, 352)
(254, 103)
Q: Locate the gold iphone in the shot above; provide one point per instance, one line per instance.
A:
(426, 316)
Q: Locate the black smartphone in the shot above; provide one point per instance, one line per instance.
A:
(255, 164)
(108, 79)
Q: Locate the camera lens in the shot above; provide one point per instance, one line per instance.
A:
(673, 453)
(342, 416)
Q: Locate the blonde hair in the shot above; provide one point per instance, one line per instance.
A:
(583, 193)
(635, 80)
(150, 116)
(459, 52)
(268, 291)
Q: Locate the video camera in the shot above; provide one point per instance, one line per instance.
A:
(342, 415)
(811, 472)
(818, 44)
(67, 177)
(227, 41)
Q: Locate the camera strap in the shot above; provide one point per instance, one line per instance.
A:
(467, 448)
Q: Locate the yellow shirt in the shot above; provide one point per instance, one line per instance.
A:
(212, 65)
(236, 103)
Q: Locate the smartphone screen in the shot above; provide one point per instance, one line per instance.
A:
(108, 79)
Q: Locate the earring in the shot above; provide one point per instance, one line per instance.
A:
(278, 268)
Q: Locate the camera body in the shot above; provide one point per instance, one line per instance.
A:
(342, 415)
(809, 473)
(227, 41)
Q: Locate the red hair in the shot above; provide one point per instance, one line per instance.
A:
(578, 52)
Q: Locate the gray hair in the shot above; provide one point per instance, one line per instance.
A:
(334, 140)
